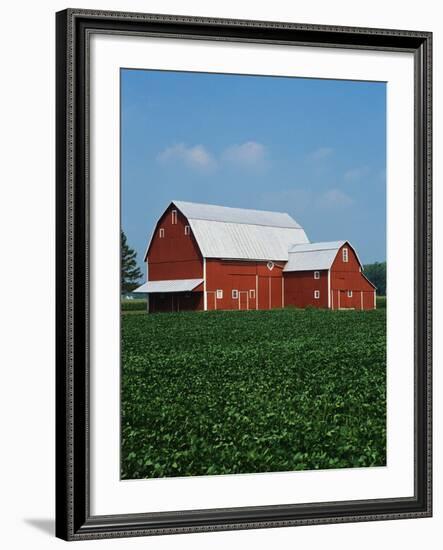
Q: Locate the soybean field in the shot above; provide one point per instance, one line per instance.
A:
(227, 392)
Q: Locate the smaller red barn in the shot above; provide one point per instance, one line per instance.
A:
(327, 275)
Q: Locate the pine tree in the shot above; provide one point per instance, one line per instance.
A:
(130, 272)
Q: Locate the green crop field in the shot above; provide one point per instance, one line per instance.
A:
(133, 305)
(258, 391)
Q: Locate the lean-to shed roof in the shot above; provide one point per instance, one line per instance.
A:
(180, 285)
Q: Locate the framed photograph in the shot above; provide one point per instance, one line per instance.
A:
(243, 274)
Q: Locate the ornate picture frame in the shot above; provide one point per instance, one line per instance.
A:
(74, 520)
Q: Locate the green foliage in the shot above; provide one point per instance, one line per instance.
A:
(376, 273)
(228, 392)
(381, 302)
(134, 305)
(130, 272)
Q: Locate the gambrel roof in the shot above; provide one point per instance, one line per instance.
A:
(313, 256)
(226, 214)
(239, 233)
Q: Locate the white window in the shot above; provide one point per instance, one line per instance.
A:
(270, 266)
(316, 294)
(174, 217)
(219, 294)
(234, 294)
(161, 233)
(187, 230)
(345, 255)
(349, 293)
(252, 293)
(316, 274)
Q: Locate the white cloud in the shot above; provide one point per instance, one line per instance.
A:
(302, 199)
(334, 198)
(196, 156)
(250, 153)
(320, 153)
(355, 174)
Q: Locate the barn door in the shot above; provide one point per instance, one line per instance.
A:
(276, 292)
(346, 301)
(211, 300)
(243, 300)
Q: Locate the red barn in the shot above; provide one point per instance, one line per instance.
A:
(206, 257)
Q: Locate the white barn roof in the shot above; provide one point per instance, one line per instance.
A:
(211, 212)
(238, 233)
(313, 256)
(179, 285)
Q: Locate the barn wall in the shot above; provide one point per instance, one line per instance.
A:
(300, 287)
(369, 300)
(258, 286)
(176, 255)
(346, 276)
(360, 299)
(338, 265)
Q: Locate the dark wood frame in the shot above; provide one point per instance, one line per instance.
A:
(73, 518)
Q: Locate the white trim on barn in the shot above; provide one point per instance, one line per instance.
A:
(329, 289)
(205, 297)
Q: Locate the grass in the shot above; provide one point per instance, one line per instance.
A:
(258, 391)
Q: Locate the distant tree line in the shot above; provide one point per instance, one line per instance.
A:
(376, 273)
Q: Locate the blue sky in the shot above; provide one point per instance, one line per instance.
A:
(313, 148)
